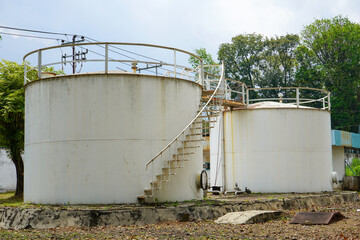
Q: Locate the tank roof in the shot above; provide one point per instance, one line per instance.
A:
(270, 104)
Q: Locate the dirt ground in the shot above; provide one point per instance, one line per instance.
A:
(348, 228)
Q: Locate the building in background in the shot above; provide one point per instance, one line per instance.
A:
(7, 173)
(345, 146)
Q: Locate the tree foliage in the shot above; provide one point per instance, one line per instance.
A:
(260, 61)
(12, 110)
(355, 168)
(207, 60)
(327, 56)
(12, 116)
(242, 58)
(333, 58)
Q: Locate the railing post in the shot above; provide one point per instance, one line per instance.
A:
(223, 84)
(106, 58)
(25, 72)
(297, 98)
(201, 74)
(247, 98)
(207, 83)
(39, 64)
(329, 103)
(226, 91)
(243, 92)
(174, 63)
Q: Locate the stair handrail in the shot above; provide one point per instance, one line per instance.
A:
(221, 80)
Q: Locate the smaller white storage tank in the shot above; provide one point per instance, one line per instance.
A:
(277, 147)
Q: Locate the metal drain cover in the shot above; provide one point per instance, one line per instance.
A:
(316, 218)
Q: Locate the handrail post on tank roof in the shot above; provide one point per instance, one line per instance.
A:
(106, 58)
(174, 63)
(25, 72)
(39, 64)
(297, 98)
(243, 93)
(247, 98)
(201, 74)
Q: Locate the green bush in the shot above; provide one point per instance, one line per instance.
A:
(355, 165)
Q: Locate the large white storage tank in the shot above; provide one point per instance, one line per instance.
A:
(89, 136)
(273, 147)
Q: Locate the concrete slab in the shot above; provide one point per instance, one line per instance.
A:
(249, 217)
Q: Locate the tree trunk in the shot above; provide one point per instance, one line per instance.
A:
(15, 154)
(19, 165)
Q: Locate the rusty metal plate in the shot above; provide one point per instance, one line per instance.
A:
(316, 218)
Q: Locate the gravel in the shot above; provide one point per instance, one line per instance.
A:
(348, 228)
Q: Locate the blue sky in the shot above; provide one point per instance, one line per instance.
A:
(182, 24)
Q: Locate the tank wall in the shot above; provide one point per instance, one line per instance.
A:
(88, 137)
(338, 161)
(278, 150)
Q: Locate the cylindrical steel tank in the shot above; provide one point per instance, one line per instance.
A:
(270, 147)
(89, 136)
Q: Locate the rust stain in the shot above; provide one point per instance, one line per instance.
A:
(232, 148)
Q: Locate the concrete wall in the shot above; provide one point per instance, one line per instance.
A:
(7, 173)
(338, 158)
(278, 150)
(88, 137)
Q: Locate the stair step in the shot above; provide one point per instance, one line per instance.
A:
(180, 160)
(198, 140)
(185, 153)
(169, 170)
(195, 134)
(148, 192)
(156, 184)
(199, 127)
(161, 177)
(190, 147)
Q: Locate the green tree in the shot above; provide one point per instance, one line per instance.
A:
(333, 51)
(355, 168)
(259, 61)
(12, 116)
(242, 58)
(278, 65)
(12, 109)
(207, 60)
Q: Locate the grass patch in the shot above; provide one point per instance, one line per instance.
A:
(9, 200)
(6, 195)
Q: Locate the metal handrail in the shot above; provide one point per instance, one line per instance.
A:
(297, 100)
(107, 47)
(286, 88)
(221, 80)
